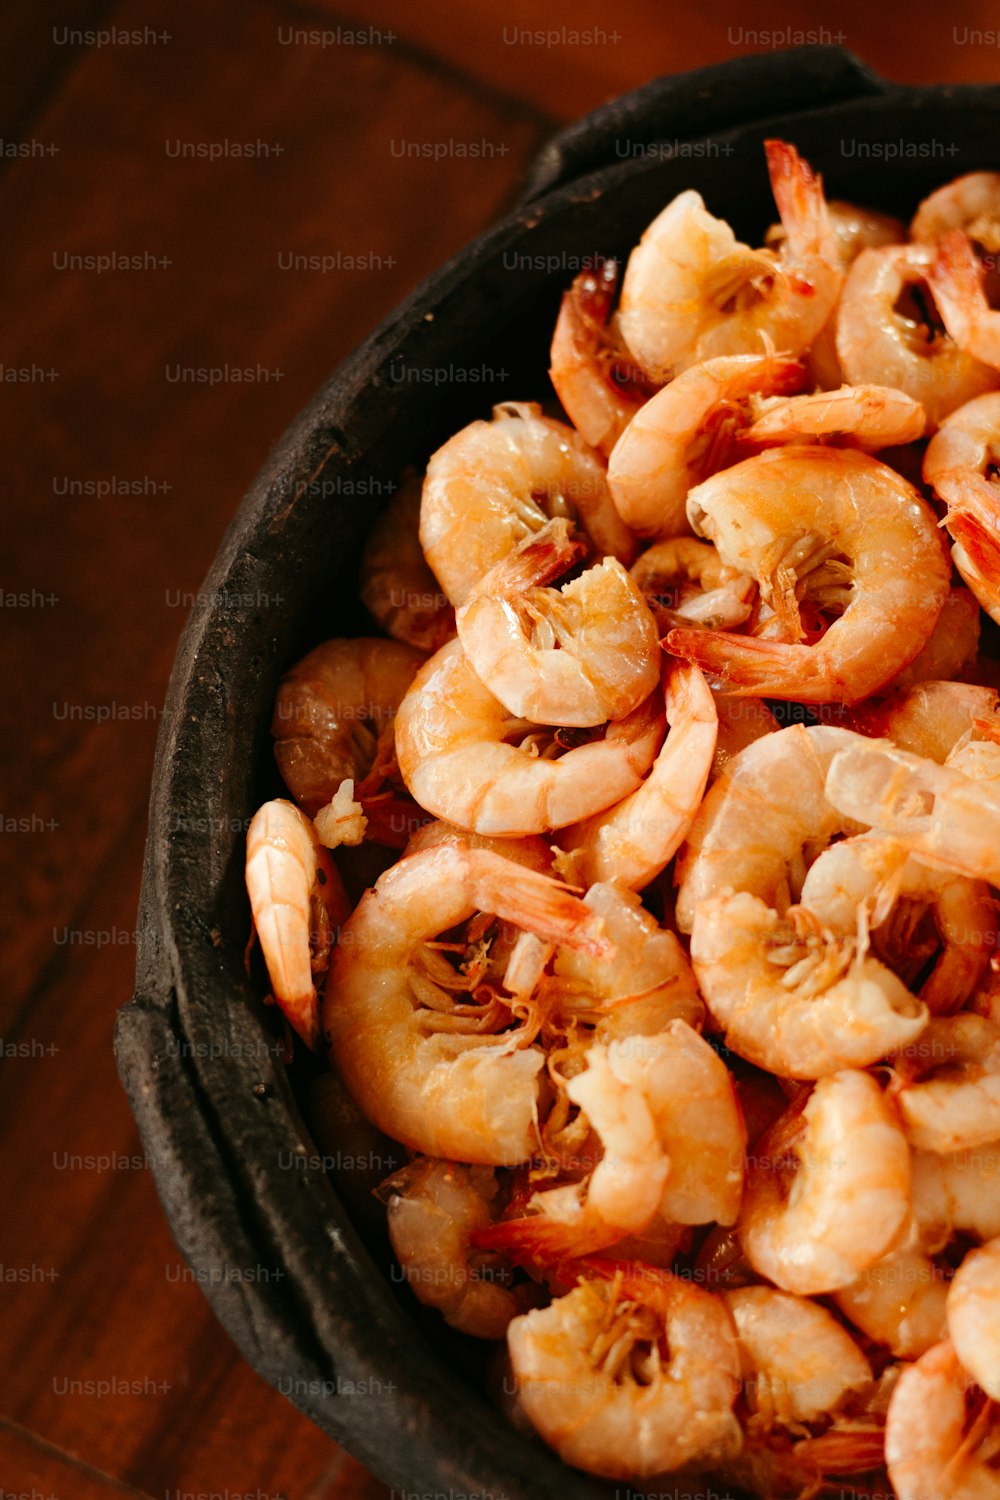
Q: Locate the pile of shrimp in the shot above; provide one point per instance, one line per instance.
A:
(639, 878)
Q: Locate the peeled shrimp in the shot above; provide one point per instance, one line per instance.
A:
(878, 343)
(944, 817)
(931, 717)
(631, 1376)
(685, 580)
(599, 389)
(452, 743)
(635, 839)
(866, 416)
(798, 1363)
(448, 1077)
(835, 527)
(952, 647)
(577, 655)
(331, 709)
(900, 1301)
(433, 1208)
(872, 873)
(849, 1201)
(396, 585)
(687, 432)
(930, 1449)
(959, 461)
(974, 1316)
(960, 1109)
(298, 904)
(692, 291)
(494, 483)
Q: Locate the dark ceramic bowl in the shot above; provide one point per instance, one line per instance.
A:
(297, 1270)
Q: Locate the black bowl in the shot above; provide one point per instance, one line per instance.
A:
(298, 1273)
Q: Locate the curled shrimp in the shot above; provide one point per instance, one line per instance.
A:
(798, 1363)
(396, 585)
(930, 1446)
(900, 1301)
(331, 710)
(953, 645)
(974, 1316)
(433, 1209)
(837, 528)
(959, 464)
(685, 581)
(945, 817)
(828, 1188)
(598, 386)
(630, 1376)
(455, 756)
(970, 202)
(688, 431)
(692, 291)
(637, 838)
(298, 904)
(877, 342)
(930, 718)
(865, 416)
(431, 1052)
(960, 1107)
(578, 655)
(916, 915)
(494, 483)
(956, 279)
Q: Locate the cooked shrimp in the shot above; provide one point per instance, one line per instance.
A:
(632, 1376)
(298, 904)
(960, 464)
(685, 580)
(764, 820)
(798, 1363)
(970, 202)
(835, 527)
(433, 1208)
(637, 838)
(959, 1109)
(687, 432)
(691, 291)
(598, 386)
(952, 647)
(900, 1301)
(876, 342)
(931, 717)
(899, 896)
(446, 1076)
(452, 743)
(396, 585)
(577, 655)
(331, 709)
(741, 722)
(793, 997)
(494, 483)
(930, 1448)
(956, 279)
(944, 817)
(865, 416)
(974, 1316)
(828, 1191)
(956, 1194)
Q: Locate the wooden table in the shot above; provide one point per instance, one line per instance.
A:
(119, 479)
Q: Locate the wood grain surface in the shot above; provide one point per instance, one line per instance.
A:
(121, 474)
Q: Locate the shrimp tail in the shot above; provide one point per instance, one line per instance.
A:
(538, 560)
(801, 203)
(542, 1244)
(536, 903)
(980, 539)
(956, 281)
(751, 667)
